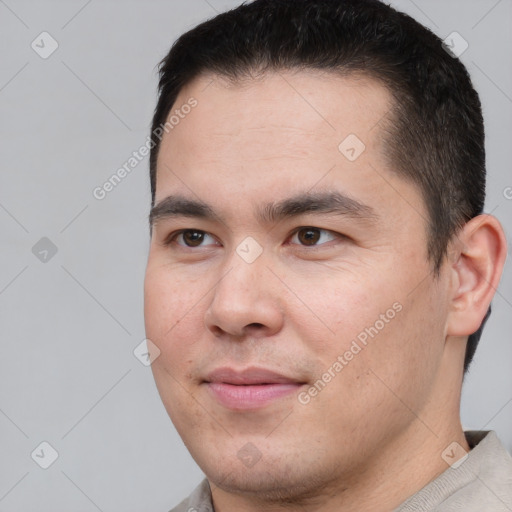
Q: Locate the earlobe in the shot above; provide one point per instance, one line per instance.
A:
(476, 271)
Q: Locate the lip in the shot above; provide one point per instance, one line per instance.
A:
(250, 388)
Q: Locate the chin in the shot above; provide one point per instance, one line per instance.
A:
(272, 478)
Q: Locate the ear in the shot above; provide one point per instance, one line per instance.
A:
(476, 263)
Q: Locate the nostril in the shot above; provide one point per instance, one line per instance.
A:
(255, 324)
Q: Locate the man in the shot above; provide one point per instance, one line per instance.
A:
(319, 259)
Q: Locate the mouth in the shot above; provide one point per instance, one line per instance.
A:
(251, 388)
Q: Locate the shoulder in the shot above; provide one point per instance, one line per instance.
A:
(482, 481)
(199, 501)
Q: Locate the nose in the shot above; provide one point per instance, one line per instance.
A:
(245, 301)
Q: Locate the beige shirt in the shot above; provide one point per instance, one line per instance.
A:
(481, 483)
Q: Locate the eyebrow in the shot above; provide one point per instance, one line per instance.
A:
(270, 213)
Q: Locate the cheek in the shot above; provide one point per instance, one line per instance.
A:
(173, 323)
(340, 306)
(377, 327)
(168, 296)
(397, 366)
(173, 315)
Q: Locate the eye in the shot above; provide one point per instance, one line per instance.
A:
(190, 238)
(310, 236)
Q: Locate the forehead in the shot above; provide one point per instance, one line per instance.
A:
(306, 110)
(280, 133)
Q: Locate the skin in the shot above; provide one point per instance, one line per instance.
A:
(375, 433)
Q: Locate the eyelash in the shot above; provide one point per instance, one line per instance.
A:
(171, 239)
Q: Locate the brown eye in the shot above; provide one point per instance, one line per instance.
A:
(309, 236)
(193, 238)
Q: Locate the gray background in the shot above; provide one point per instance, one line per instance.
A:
(69, 325)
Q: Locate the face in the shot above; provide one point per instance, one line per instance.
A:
(288, 287)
